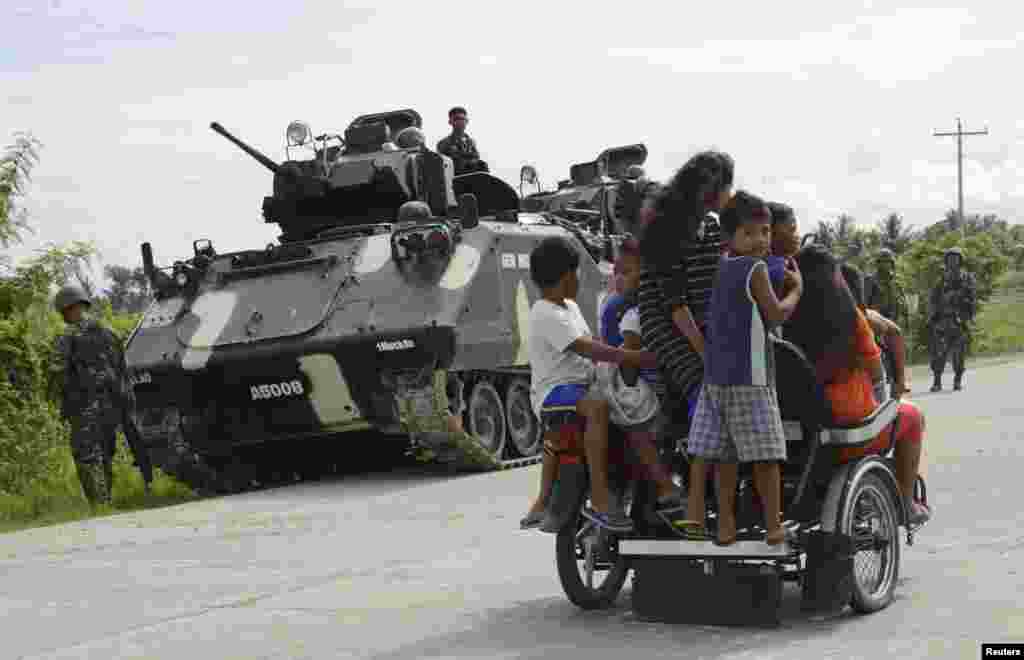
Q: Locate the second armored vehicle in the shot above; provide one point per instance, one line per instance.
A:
(603, 195)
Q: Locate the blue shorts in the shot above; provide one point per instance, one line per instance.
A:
(559, 406)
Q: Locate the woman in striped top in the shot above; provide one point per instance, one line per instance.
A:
(681, 244)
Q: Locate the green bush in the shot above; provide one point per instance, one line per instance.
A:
(31, 429)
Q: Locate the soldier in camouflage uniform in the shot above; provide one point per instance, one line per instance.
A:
(435, 428)
(952, 306)
(885, 294)
(89, 365)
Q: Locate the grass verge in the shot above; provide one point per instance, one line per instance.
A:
(60, 498)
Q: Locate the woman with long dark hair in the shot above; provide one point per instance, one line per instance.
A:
(681, 245)
(838, 339)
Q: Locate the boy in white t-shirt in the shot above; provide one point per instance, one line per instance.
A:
(562, 353)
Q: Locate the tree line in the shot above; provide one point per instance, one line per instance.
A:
(991, 246)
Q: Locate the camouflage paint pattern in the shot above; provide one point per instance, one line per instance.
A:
(309, 351)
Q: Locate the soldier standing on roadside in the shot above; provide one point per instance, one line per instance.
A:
(89, 365)
(885, 295)
(952, 306)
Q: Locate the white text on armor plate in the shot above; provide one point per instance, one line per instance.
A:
(400, 345)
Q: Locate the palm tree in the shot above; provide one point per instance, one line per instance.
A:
(894, 235)
(953, 220)
(825, 235)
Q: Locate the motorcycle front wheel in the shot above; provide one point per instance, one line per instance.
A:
(583, 553)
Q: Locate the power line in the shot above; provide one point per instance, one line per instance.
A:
(960, 133)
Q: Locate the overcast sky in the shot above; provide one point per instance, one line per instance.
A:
(829, 106)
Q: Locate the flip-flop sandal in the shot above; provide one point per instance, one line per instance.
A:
(690, 529)
(918, 519)
(532, 520)
(621, 525)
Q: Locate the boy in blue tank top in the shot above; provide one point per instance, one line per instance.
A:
(737, 417)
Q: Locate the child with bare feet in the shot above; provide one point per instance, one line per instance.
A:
(737, 417)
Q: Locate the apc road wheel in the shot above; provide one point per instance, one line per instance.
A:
(487, 418)
(523, 425)
(583, 553)
(870, 519)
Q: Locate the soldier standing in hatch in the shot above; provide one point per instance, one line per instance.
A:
(459, 146)
(952, 306)
(89, 364)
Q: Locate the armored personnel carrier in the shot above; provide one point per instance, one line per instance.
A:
(361, 325)
(601, 195)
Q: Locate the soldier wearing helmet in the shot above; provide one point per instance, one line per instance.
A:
(414, 211)
(885, 292)
(952, 305)
(410, 137)
(634, 172)
(89, 365)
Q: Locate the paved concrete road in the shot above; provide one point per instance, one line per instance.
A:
(404, 566)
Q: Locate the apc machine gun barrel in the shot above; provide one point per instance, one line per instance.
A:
(266, 162)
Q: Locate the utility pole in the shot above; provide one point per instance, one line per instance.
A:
(960, 133)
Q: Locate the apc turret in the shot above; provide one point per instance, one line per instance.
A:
(364, 178)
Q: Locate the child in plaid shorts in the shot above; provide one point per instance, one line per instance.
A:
(737, 417)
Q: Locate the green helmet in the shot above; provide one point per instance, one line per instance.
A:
(635, 172)
(410, 137)
(414, 211)
(69, 295)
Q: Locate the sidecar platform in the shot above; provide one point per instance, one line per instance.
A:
(666, 548)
